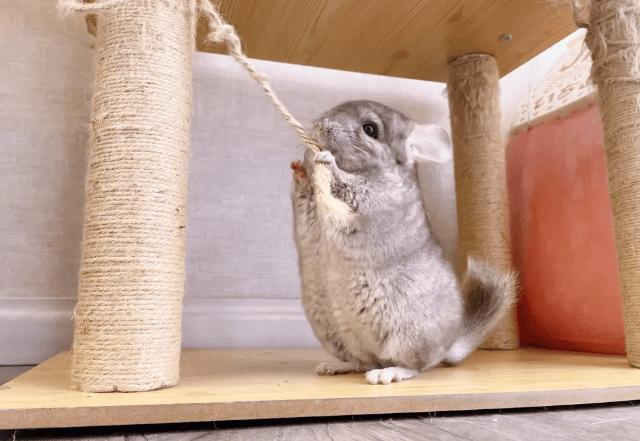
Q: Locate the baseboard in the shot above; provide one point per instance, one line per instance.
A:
(245, 323)
(32, 330)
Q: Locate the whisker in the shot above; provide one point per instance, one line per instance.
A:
(361, 150)
(339, 137)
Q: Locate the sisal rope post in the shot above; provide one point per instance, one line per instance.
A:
(128, 317)
(480, 173)
(132, 274)
(614, 40)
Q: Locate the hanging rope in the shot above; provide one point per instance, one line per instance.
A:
(223, 32)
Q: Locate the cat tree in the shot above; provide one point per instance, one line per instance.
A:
(133, 255)
(127, 333)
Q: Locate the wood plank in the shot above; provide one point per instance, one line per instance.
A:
(236, 384)
(401, 38)
(580, 423)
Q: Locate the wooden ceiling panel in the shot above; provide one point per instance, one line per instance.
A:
(401, 38)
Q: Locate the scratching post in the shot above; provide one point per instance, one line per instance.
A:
(614, 40)
(128, 316)
(480, 172)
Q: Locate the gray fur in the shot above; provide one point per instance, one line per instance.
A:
(377, 291)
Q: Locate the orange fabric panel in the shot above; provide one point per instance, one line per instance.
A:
(562, 238)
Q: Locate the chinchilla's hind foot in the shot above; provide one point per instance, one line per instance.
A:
(387, 375)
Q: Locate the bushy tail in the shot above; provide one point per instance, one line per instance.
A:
(488, 294)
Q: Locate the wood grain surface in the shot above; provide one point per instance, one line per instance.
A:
(403, 38)
(219, 385)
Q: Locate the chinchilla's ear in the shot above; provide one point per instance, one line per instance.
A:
(429, 142)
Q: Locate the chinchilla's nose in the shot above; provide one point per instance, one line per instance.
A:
(319, 126)
(325, 127)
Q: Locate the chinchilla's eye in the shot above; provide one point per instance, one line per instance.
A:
(371, 130)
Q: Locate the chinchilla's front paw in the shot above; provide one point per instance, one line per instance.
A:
(299, 172)
(324, 157)
(312, 157)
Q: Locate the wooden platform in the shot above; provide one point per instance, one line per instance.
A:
(259, 384)
(402, 38)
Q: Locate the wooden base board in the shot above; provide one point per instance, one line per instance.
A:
(245, 384)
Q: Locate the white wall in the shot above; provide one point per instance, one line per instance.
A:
(243, 287)
(44, 81)
(516, 86)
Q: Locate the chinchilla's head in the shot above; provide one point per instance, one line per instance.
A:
(364, 135)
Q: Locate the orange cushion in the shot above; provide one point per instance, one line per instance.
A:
(562, 238)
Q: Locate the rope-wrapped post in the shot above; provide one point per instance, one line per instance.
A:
(614, 40)
(480, 173)
(132, 275)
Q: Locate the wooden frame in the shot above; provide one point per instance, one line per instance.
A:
(410, 39)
